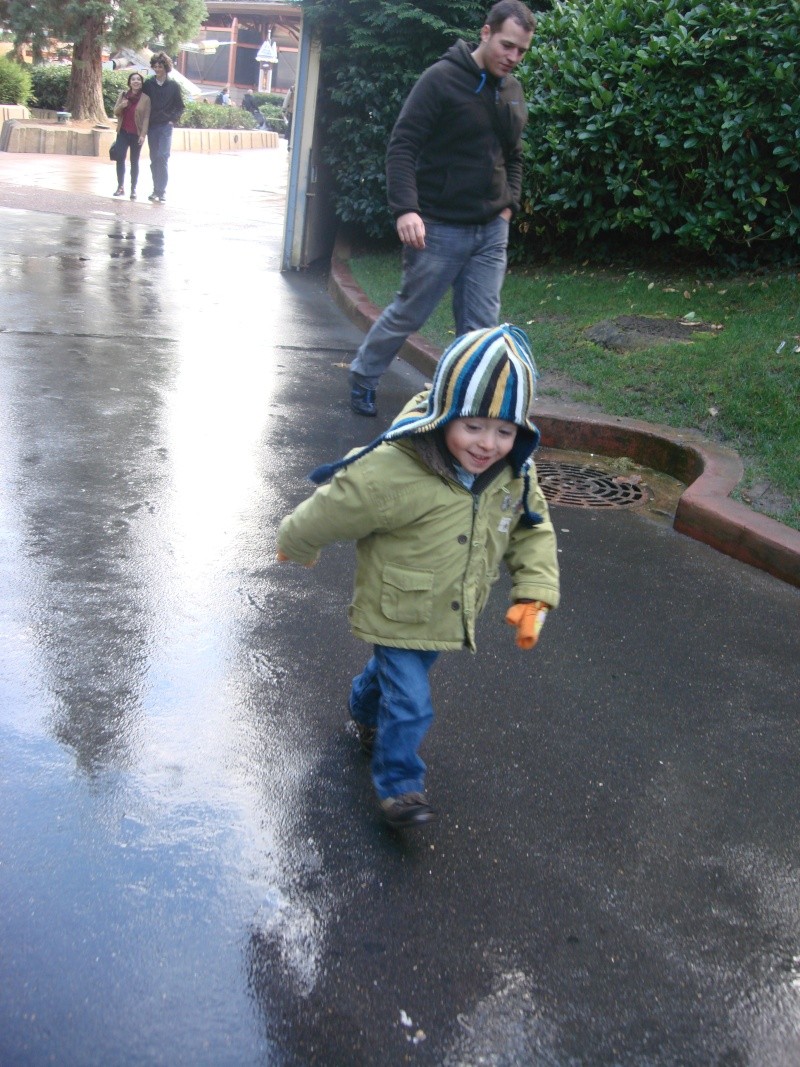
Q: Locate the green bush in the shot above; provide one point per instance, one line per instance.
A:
(664, 119)
(274, 117)
(215, 117)
(268, 98)
(51, 84)
(15, 82)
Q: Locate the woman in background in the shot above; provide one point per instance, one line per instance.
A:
(133, 117)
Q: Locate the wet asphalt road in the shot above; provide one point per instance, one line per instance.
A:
(193, 868)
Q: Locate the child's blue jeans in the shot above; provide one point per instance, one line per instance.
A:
(393, 693)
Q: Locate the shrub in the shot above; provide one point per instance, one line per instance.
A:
(268, 98)
(274, 117)
(664, 119)
(213, 117)
(15, 82)
(51, 83)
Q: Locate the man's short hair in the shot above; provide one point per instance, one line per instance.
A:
(161, 57)
(511, 9)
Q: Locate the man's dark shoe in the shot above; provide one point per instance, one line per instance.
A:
(362, 400)
(407, 810)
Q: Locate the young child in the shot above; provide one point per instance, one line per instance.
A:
(434, 504)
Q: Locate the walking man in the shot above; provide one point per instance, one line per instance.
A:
(166, 108)
(454, 177)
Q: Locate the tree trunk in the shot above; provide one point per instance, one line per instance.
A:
(85, 93)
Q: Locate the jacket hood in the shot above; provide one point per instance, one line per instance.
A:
(488, 373)
(461, 54)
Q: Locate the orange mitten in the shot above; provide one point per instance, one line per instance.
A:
(281, 557)
(529, 619)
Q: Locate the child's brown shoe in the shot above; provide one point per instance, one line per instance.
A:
(407, 809)
(366, 736)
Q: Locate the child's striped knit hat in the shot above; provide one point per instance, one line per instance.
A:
(487, 373)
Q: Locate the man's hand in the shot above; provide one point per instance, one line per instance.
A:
(506, 214)
(529, 619)
(411, 230)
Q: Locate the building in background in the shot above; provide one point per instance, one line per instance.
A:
(245, 45)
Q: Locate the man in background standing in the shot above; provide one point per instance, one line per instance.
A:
(288, 111)
(166, 108)
(249, 104)
(454, 174)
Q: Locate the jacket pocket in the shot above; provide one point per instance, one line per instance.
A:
(406, 595)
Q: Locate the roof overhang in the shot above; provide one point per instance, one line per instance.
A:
(275, 10)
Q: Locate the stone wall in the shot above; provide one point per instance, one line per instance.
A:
(20, 134)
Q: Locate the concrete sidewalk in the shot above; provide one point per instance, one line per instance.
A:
(234, 189)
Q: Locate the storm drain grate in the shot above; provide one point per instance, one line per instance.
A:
(572, 485)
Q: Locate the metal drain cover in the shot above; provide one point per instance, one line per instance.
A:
(576, 486)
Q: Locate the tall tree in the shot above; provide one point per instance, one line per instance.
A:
(91, 25)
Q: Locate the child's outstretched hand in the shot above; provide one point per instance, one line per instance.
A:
(528, 617)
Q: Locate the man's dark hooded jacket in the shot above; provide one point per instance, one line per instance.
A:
(455, 151)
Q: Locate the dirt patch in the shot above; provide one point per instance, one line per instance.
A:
(762, 496)
(630, 333)
(560, 387)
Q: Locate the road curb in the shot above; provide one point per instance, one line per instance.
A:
(705, 511)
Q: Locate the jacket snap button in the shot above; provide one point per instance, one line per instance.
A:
(455, 605)
(462, 539)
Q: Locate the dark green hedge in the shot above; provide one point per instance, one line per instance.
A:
(51, 82)
(15, 82)
(214, 117)
(274, 117)
(654, 119)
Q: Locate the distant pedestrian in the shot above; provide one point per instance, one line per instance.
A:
(249, 104)
(454, 171)
(223, 96)
(133, 117)
(288, 112)
(435, 505)
(166, 108)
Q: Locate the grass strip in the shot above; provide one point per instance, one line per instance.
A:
(737, 384)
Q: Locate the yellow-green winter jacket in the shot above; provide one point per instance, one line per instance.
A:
(428, 550)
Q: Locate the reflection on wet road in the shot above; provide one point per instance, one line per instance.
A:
(193, 870)
(147, 804)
